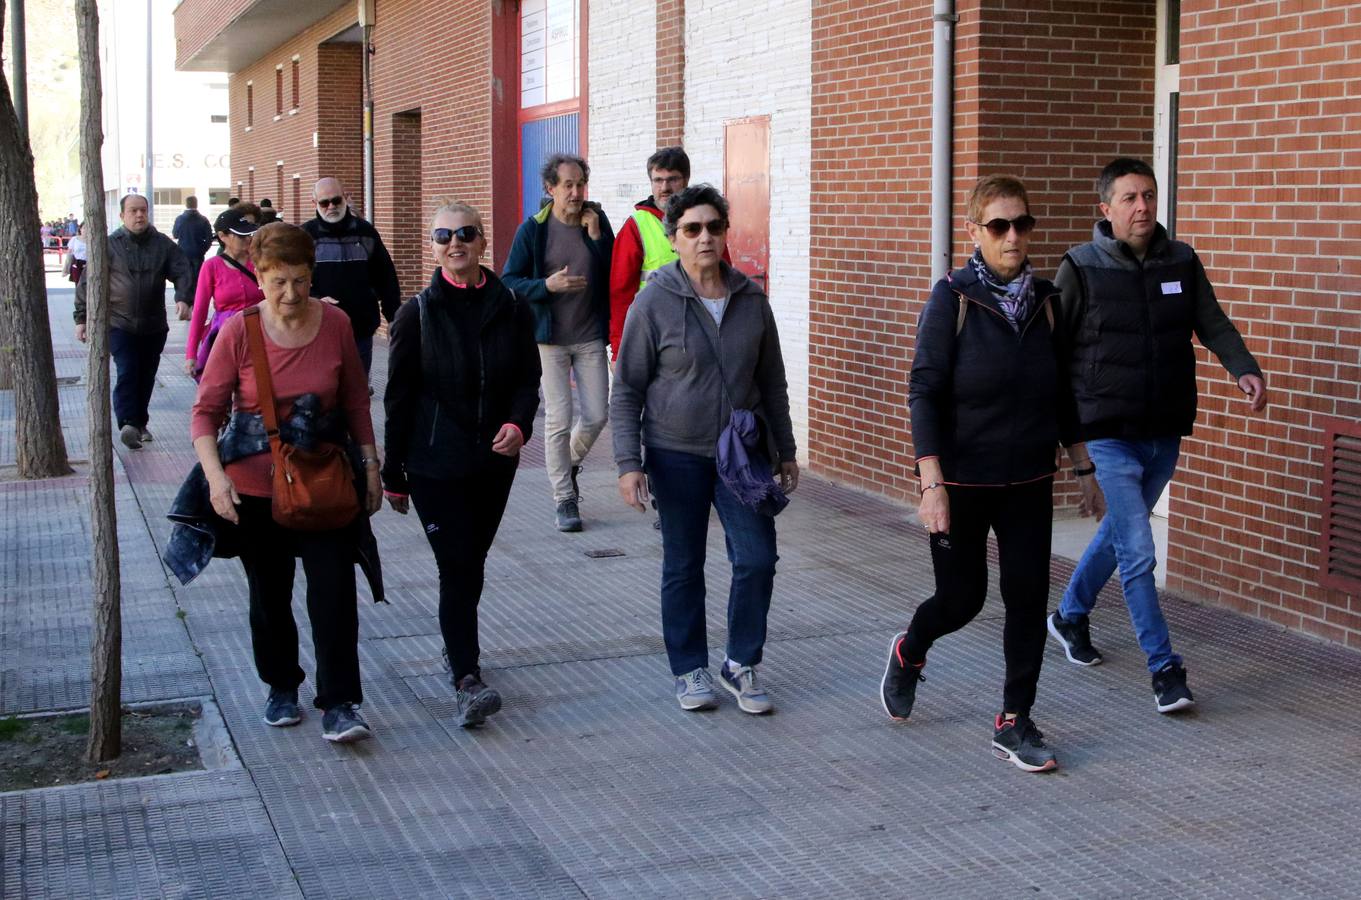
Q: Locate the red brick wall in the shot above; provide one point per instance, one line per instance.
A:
(406, 240)
(670, 73)
(340, 135)
(1268, 194)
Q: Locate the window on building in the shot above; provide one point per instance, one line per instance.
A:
(278, 90)
(296, 212)
(1173, 35)
(250, 104)
(550, 60)
(218, 118)
(297, 83)
(278, 185)
(219, 196)
(168, 196)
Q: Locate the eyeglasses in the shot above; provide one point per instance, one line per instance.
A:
(716, 227)
(998, 228)
(669, 179)
(466, 234)
(325, 202)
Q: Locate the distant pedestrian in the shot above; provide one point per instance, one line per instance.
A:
(77, 254)
(701, 341)
(314, 366)
(194, 235)
(462, 392)
(984, 397)
(1130, 301)
(141, 261)
(267, 212)
(72, 226)
(232, 201)
(560, 263)
(354, 270)
(228, 282)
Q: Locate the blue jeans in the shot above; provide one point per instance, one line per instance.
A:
(136, 358)
(1132, 475)
(685, 486)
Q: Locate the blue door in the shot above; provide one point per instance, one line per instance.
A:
(540, 139)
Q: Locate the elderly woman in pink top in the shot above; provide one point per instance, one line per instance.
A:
(227, 281)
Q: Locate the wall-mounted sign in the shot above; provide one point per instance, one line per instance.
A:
(550, 60)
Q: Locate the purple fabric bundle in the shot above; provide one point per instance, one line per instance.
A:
(752, 483)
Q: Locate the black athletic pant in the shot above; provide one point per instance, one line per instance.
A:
(1022, 517)
(461, 516)
(267, 552)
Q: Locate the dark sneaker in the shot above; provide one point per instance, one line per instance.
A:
(898, 689)
(476, 701)
(576, 488)
(1169, 687)
(741, 683)
(1020, 742)
(281, 709)
(343, 724)
(131, 436)
(146, 437)
(1076, 639)
(695, 690)
(569, 516)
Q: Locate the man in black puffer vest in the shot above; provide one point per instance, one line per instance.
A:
(1129, 303)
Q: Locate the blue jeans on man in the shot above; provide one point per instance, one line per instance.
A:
(685, 486)
(136, 358)
(1132, 475)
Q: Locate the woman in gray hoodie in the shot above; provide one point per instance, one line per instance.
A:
(700, 339)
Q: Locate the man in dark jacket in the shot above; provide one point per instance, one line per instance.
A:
(560, 264)
(141, 260)
(194, 234)
(354, 270)
(1129, 303)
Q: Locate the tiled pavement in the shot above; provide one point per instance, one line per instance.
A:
(592, 783)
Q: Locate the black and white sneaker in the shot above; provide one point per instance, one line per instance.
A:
(898, 688)
(1076, 639)
(476, 701)
(1169, 687)
(1019, 742)
(281, 709)
(568, 517)
(342, 724)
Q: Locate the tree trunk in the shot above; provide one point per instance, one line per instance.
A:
(40, 449)
(106, 654)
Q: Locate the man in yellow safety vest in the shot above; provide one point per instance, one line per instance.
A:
(642, 247)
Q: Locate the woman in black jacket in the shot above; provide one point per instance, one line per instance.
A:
(984, 398)
(462, 391)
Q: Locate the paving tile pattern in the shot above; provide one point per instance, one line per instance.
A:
(592, 783)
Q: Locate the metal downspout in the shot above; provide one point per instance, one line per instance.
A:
(942, 134)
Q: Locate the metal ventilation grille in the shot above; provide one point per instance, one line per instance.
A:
(1341, 566)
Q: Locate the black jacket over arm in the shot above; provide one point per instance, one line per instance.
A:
(439, 423)
(985, 401)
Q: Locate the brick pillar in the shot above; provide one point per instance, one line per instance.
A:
(340, 140)
(406, 241)
(670, 72)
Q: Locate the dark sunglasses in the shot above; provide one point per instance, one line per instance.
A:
(466, 234)
(998, 228)
(325, 202)
(716, 227)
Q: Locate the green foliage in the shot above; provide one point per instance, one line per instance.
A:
(10, 727)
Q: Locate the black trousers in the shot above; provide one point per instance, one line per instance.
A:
(461, 517)
(1022, 518)
(136, 358)
(267, 553)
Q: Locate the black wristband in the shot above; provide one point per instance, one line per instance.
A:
(1080, 473)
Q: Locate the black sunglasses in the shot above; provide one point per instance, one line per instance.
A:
(998, 228)
(325, 202)
(716, 227)
(466, 234)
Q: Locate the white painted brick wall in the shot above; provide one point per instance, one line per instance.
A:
(755, 58)
(623, 103)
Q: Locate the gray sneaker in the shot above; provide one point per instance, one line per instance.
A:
(695, 690)
(568, 516)
(131, 436)
(741, 683)
(146, 437)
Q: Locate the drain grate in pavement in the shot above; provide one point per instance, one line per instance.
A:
(605, 553)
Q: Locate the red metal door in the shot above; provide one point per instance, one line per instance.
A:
(746, 185)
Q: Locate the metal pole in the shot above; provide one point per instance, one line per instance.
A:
(150, 157)
(368, 124)
(19, 56)
(942, 135)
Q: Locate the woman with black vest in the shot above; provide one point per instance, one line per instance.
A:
(984, 397)
(462, 392)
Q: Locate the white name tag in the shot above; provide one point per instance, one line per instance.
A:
(1171, 287)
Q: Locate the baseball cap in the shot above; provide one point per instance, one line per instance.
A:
(235, 221)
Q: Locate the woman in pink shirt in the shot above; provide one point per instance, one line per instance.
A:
(321, 394)
(227, 281)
